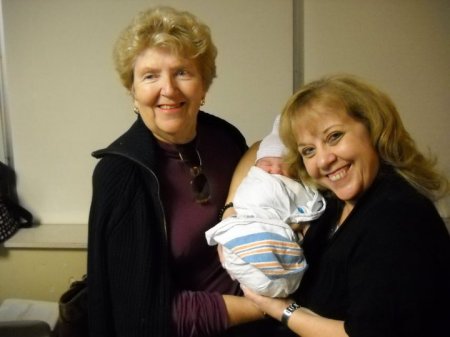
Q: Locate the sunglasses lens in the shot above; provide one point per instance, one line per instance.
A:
(200, 187)
(190, 156)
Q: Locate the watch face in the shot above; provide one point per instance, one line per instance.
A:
(288, 312)
(292, 307)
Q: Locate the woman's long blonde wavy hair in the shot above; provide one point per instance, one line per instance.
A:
(378, 113)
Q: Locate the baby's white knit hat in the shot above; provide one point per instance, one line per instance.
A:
(271, 145)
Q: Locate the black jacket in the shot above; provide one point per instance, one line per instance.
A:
(129, 283)
(386, 271)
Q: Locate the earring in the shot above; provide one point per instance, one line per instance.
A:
(202, 102)
(136, 110)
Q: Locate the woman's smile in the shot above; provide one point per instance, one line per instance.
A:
(168, 91)
(339, 174)
(336, 150)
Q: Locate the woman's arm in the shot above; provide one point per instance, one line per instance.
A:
(244, 165)
(240, 309)
(303, 321)
(247, 161)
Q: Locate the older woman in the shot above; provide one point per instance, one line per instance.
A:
(159, 187)
(379, 258)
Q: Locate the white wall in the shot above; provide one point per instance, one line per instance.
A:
(402, 46)
(64, 98)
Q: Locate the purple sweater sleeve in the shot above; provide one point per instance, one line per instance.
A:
(198, 314)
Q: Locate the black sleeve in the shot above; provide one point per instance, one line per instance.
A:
(122, 263)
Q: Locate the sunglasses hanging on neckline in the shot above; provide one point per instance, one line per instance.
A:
(199, 183)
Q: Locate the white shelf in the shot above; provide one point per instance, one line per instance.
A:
(54, 236)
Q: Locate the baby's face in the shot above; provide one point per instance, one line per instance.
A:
(273, 165)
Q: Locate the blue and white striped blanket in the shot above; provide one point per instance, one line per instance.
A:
(261, 254)
(260, 249)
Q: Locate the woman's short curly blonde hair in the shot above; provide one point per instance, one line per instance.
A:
(377, 112)
(164, 27)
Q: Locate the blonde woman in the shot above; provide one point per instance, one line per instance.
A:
(379, 258)
(159, 187)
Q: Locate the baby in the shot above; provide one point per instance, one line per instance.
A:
(259, 247)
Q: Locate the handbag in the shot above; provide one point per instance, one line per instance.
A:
(12, 215)
(73, 311)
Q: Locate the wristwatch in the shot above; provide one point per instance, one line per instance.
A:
(287, 313)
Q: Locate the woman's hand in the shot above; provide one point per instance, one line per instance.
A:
(270, 306)
(303, 321)
(241, 310)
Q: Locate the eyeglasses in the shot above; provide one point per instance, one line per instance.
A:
(199, 183)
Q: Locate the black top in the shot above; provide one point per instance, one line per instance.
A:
(386, 271)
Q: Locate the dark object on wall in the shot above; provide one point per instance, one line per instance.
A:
(73, 311)
(12, 215)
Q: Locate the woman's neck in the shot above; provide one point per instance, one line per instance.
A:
(346, 210)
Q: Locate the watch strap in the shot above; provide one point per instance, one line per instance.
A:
(287, 313)
(224, 208)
